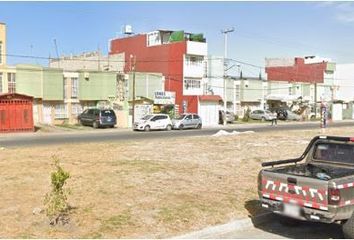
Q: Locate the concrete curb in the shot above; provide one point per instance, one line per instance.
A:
(236, 225)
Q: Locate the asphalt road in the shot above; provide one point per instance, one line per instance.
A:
(106, 135)
(273, 228)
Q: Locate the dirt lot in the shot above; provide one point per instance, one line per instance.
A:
(143, 188)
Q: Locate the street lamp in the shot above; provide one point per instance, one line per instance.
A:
(225, 32)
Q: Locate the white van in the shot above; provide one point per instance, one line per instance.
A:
(153, 122)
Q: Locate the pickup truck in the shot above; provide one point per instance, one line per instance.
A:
(317, 186)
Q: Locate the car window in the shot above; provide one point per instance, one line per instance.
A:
(90, 111)
(181, 117)
(85, 112)
(196, 117)
(334, 152)
(189, 117)
(107, 113)
(163, 117)
(147, 117)
(154, 118)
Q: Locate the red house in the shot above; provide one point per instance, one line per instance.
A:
(177, 55)
(16, 113)
(306, 70)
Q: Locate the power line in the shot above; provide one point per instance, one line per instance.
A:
(283, 71)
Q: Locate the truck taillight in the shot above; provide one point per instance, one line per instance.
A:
(333, 196)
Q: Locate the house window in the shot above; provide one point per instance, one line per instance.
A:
(192, 83)
(11, 79)
(74, 87)
(66, 87)
(61, 111)
(194, 61)
(1, 83)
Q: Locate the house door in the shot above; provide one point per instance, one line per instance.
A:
(47, 114)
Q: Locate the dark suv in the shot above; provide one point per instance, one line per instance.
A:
(98, 118)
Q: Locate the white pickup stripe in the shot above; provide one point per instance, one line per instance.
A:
(323, 208)
(308, 204)
(266, 195)
(347, 202)
(279, 198)
(340, 186)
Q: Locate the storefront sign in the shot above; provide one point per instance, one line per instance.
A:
(164, 97)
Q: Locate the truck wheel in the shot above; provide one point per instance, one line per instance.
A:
(348, 227)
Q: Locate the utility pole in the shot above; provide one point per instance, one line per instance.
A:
(132, 69)
(225, 32)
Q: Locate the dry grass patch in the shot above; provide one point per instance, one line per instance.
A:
(154, 188)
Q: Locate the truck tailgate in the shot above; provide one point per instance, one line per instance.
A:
(298, 190)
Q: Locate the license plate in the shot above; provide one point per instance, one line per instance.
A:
(292, 210)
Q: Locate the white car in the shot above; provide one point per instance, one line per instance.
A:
(153, 122)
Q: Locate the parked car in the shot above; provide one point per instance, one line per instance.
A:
(288, 115)
(153, 122)
(230, 117)
(98, 118)
(264, 115)
(187, 120)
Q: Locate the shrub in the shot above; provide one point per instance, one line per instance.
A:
(55, 202)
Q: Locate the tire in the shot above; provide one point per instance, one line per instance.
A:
(169, 127)
(181, 127)
(263, 119)
(199, 126)
(348, 227)
(95, 124)
(147, 128)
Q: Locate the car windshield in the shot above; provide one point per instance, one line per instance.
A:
(268, 112)
(147, 117)
(107, 113)
(180, 117)
(334, 152)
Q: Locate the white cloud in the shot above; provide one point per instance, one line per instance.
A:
(343, 11)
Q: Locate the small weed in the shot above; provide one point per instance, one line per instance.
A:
(117, 221)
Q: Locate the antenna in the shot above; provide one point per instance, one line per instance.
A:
(56, 50)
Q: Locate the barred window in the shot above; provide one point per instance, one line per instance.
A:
(11, 79)
(61, 111)
(74, 87)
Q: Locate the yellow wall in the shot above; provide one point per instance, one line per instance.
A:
(3, 43)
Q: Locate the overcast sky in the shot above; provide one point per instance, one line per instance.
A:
(263, 29)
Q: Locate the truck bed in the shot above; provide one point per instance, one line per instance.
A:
(319, 171)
